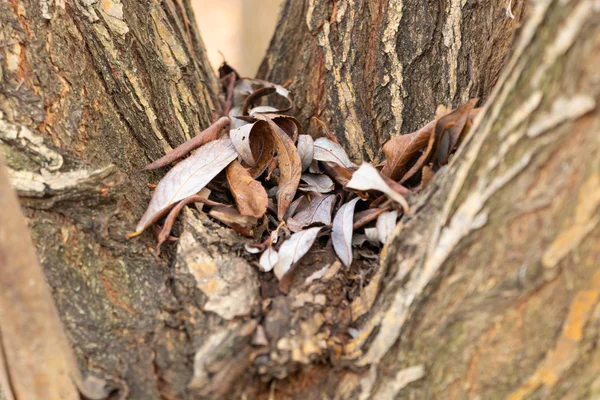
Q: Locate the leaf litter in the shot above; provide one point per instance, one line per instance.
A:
(270, 180)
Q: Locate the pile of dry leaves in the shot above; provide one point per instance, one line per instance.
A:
(291, 188)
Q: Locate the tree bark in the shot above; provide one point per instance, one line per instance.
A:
(375, 69)
(489, 288)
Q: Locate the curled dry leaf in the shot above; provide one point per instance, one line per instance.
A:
(453, 121)
(293, 249)
(327, 150)
(249, 194)
(187, 178)
(318, 211)
(317, 183)
(306, 150)
(366, 177)
(240, 137)
(232, 218)
(268, 259)
(400, 150)
(341, 233)
(290, 168)
(451, 126)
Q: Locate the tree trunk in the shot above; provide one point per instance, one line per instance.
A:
(489, 287)
(375, 69)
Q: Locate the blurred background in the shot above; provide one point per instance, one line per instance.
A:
(240, 29)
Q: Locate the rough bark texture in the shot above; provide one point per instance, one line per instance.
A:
(374, 69)
(89, 93)
(489, 288)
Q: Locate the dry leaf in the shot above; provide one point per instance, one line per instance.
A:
(451, 127)
(232, 218)
(187, 178)
(290, 168)
(317, 183)
(327, 150)
(318, 274)
(306, 150)
(240, 137)
(367, 178)
(250, 195)
(341, 233)
(293, 249)
(386, 223)
(400, 150)
(268, 259)
(318, 211)
(208, 135)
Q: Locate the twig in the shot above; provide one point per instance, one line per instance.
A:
(209, 134)
(170, 220)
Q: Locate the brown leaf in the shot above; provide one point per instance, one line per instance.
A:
(451, 128)
(262, 145)
(341, 233)
(232, 218)
(318, 211)
(400, 150)
(187, 178)
(290, 168)
(441, 126)
(339, 173)
(249, 194)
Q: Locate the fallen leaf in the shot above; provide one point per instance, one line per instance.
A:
(327, 150)
(386, 223)
(451, 127)
(240, 137)
(338, 172)
(268, 259)
(249, 194)
(400, 150)
(290, 168)
(297, 205)
(306, 150)
(208, 135)
(341, 233)
(317, 183)
(318, 274)
(187, 178)
(232, 218)
(293, 249)
(318, 211)
(366, 177)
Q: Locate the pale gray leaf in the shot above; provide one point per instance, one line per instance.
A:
(318, 211)
(317, 183)
(294, 249)
(386, 222)
(341, 233)
(240, 137)
(372, 235)
(262, 110)
(318, 274)
(306, 149)
(368, 178)
(268, 259)
(187, 178)
(328, 150)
